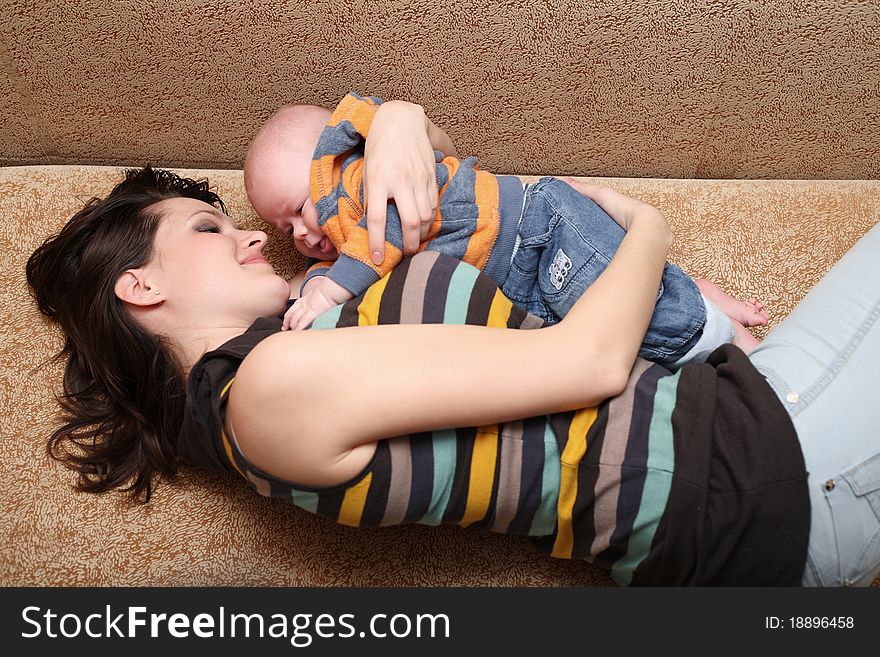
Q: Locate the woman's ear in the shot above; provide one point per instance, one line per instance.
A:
(132, 287)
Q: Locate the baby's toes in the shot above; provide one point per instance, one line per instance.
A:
(763, 316)
(754, 316)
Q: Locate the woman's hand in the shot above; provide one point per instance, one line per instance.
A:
(399, 164)
(623, 209)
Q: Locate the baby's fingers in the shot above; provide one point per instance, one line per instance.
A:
(288, 318)
(303, 321)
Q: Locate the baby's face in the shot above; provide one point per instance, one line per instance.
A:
(280, 195)
(308, 238)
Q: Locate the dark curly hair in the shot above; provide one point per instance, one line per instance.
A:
(124, 389)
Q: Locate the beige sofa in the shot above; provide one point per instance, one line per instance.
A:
(753, 127)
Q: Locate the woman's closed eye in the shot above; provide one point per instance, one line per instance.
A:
(208, 228)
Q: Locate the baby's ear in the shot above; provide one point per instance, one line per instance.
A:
(132, 287)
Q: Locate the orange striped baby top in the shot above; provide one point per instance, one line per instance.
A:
(476, 219)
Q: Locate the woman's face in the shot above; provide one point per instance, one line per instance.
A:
(206, 268)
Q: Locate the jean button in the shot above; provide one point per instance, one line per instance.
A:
(848, 582)
(792, 397)
(829, 485)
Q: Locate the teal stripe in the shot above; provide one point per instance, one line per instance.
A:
(305, 500)
(443, 443)
(461, 284)
(329, 319)
(544, 522)
(658, 481)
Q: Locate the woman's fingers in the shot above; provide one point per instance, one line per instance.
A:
(598, 193)
(416, 208)
(399, 165)
(410, 221)
(427, 204)
(619, 207)
(377, 205)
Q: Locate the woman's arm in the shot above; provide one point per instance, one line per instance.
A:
(624, 300)
(399, 164)
(440, 140)
(310, 406)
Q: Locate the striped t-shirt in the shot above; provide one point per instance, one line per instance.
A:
(687, 478)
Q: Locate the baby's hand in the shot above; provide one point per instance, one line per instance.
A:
(317, 298)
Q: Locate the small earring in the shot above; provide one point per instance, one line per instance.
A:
(156, 292)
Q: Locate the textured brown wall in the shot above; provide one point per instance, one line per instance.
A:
(17, 139)
(661, 88)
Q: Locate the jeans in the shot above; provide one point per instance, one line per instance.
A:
(822, 361)
(565, 242)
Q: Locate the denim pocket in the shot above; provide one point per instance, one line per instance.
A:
(857, 522)
(864, 479)
(570, 263)
(528, 256)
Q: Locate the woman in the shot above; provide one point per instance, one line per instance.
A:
(691, 478)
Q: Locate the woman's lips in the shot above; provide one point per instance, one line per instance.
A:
(256, 260)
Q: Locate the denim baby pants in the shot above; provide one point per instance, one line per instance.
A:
(565, 241)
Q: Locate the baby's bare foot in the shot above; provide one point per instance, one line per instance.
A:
(746, 313)
(743, 338)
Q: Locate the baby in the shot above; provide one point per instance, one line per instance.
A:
(542, 243)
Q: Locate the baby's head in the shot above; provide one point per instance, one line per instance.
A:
(276, 176)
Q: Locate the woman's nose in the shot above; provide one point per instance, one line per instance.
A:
(255, 238)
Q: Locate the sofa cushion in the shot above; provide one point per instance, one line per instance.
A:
(772, 239)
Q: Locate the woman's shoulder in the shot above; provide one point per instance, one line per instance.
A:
(200, 441)
(217, 367)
